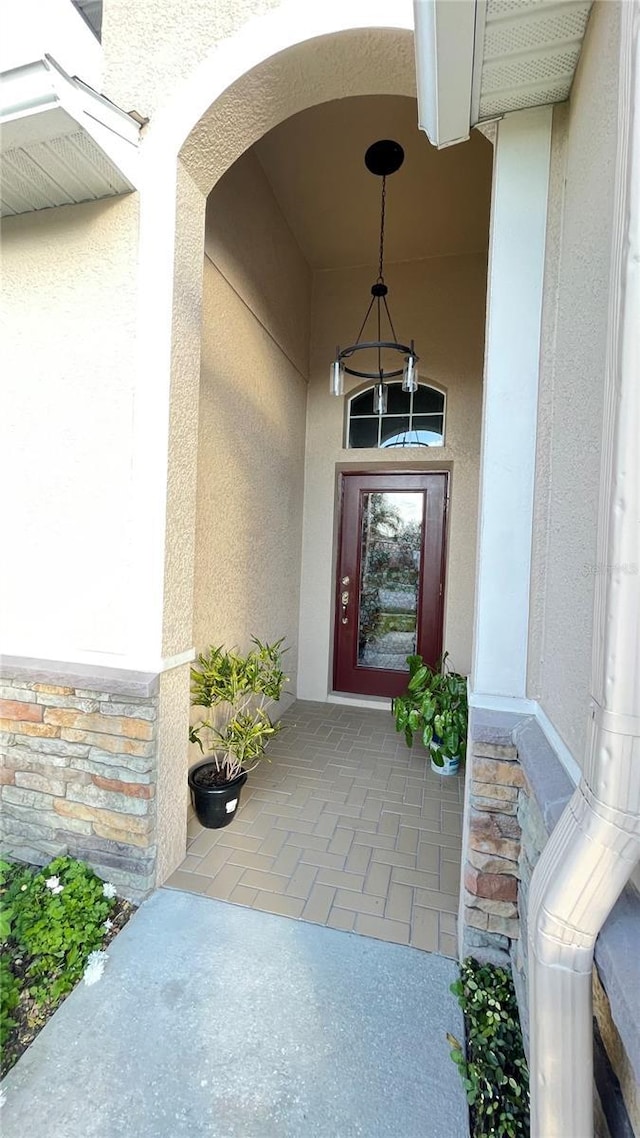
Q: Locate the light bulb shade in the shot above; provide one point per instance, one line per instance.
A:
(336, 378)
(410, 374)
(380, 396)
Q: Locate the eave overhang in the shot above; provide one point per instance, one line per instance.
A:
(477, 60)
(61, 142)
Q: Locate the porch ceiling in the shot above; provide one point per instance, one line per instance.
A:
(526, 53)
(438, 202)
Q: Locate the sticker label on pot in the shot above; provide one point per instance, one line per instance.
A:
(232, 805)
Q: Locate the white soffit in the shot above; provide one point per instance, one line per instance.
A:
(526, 53)
(61, 142)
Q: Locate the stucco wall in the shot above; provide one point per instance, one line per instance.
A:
(249, 241)
(68, 283)
(571, 393)
(441, 302)
(172, 761)
(281, 85)
(181, 471)
(167, 42)
(252, 419)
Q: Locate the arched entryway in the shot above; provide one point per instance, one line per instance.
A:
(353, 62)
(356, 828)
(189, 148)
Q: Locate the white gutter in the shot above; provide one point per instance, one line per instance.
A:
(43, 86)
(444, 40)
(596, 844)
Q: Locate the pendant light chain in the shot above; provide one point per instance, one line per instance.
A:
(393, 331)
(383, 202)
(382, 210)
(382, 158)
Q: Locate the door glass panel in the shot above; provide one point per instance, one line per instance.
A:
(390, 572)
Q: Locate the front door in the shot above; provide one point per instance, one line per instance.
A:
(390, 579)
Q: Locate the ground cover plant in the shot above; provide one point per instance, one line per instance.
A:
(51, 922)
(494, 1069)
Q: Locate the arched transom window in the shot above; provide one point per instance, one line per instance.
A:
(411, 419)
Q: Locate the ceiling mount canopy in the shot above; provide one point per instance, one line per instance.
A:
(382, 159)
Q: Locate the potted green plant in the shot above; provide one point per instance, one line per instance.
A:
(235, 691)
(435, 707)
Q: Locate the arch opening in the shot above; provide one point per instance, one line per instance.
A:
(269, 190)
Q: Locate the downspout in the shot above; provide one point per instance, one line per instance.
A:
(445, 40)
(596, 844)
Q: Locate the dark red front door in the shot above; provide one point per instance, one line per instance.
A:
(390, 581)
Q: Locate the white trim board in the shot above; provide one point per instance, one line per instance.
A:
(380, 704)
(510, 401)
(62, 661)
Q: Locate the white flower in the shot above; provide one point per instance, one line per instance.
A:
(94, 967)
(108, 890)
(108, 925)
(53, 883)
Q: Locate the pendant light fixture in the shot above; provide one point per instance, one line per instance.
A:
(382, 159)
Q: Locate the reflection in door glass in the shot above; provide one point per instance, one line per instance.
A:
(390, 567)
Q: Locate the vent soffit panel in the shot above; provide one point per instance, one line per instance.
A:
(530, 50)
(64, 171)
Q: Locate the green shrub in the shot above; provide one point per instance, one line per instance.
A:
(57, 920)
(14, 882)
(9, 996)
(494, 1072)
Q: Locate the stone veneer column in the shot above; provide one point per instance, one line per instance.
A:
(79, 770)
(517, 790)
(491, 869)
(534, 837)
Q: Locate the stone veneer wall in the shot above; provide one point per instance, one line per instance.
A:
(78, 775)
(517, 790)
(491, 870)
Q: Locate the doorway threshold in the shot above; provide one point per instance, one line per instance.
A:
(374, 702)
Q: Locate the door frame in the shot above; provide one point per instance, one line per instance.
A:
(376, 470)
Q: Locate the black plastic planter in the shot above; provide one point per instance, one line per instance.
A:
(215, 806)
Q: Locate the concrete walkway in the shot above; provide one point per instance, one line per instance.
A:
(219, 1021)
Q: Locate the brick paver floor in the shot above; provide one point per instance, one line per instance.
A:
(344, 827)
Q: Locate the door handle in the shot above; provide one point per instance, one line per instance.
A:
(345, 602)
